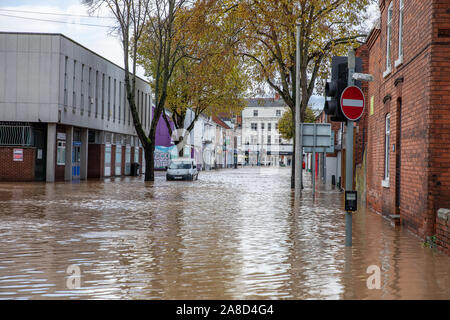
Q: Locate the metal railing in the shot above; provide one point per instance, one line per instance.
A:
(15, 135)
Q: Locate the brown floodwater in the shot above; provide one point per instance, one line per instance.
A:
(233, 234)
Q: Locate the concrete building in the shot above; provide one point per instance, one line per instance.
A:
(261, 139)
(63, 111)
(408, 159)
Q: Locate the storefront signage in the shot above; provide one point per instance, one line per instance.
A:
(61, 136)
(18, 155)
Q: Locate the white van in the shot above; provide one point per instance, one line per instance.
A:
(182, 169)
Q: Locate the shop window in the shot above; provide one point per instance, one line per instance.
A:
(61, 153)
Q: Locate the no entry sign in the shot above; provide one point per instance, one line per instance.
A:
(352, 103)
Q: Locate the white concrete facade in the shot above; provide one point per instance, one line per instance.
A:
(51, 79)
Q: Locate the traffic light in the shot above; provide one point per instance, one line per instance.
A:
(334, 88)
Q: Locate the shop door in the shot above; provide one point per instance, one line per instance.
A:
(107, 160)
(128, 160)
(76, 160)
(40, 141)
(118, 160)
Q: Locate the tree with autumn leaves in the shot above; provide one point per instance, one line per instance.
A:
(286, 125)
(209, 79)
(266, 36)
(191, 50)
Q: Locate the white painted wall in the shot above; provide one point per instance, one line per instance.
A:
(32, 68)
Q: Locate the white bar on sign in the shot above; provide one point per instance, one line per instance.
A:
(352, 103)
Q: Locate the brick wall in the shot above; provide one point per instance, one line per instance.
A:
(439, 115)
(17, 170)
(361, 132)
(443, 230)
(416, 95)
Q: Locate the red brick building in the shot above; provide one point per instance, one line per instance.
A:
(408, 161)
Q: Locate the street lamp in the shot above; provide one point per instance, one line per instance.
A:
(298, 155)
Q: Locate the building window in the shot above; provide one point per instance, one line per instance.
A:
(276, 125)
(386, 147)
(61, 153)
(124, 103)
(109, 98)
(96, 94)
(142, 107)
(269, 140)
(114, 101)
(120, 100)
(400, 35)
(103, 95)
(254, 126)
(255, 113)
(269, 127)
(89, 92)
(81, 89)
(278, 113)
(74, 98)
(65, 81)
(262, 126)
(145, 110)
(388, 41)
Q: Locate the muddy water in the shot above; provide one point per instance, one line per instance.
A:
(233, 234)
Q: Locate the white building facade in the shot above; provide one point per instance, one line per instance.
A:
(72, 105)
(261, 141)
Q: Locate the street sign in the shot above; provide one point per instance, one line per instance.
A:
(352, 103)
(329, 149)
(316, 134)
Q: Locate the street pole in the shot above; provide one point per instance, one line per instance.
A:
(298, 126)
(349, 153)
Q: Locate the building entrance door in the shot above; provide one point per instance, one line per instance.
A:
(40, 142)
(107, 160)
(118, 160)
(76, 160)
(128, 160)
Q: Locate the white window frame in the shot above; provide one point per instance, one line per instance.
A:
(255, 113)
(60, 153)
(388, 40)
(387, 136)
(399, 61)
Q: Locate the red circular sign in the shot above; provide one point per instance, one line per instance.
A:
(352, 103)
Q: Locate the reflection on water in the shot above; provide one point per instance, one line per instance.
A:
(233, 234)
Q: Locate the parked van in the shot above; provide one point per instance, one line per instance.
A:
(182, 169)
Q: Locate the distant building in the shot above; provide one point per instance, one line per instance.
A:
(261, 139)
(63, 111)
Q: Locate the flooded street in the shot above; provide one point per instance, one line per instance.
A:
(233, 234)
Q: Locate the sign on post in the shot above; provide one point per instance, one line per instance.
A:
(317, 138)
(352, 103)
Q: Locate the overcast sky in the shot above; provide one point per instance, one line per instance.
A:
(95, 38)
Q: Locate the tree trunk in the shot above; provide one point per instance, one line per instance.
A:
(150, 161)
